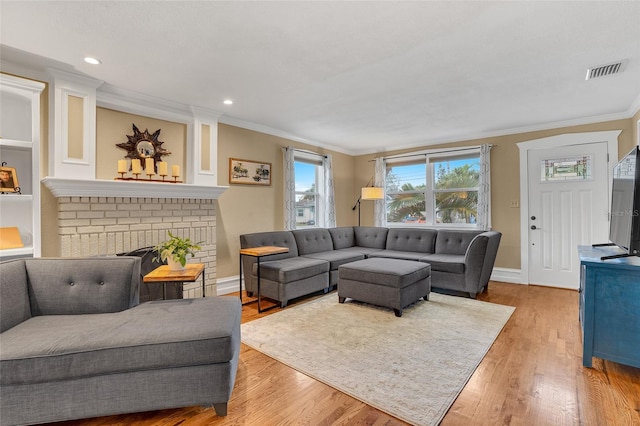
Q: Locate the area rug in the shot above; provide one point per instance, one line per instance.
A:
(412, 367)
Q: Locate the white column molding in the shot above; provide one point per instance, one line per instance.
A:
(205, 147)
(62, 86)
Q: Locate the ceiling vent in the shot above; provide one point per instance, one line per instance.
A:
(604, 70)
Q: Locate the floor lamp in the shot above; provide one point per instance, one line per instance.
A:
(368, 193)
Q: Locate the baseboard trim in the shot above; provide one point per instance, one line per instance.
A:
(227, 285)
(507, 275)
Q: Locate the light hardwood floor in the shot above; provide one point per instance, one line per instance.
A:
(532, 375)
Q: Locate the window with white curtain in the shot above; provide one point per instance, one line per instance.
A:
(434, 189)
(309, 197)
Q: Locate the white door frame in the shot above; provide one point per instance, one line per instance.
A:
(611, 137)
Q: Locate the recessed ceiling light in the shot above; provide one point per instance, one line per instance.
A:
(92, 61)
(228, 102)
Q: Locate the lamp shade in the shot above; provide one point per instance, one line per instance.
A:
(372, 193)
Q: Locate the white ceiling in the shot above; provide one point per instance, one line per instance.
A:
(357, 77)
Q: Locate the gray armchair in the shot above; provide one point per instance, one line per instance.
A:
(76, 344)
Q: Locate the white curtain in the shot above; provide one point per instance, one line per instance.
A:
(484, 191)
(379, 178)
(289, 188)
(329, 205)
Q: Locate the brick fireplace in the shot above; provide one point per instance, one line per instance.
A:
(109, 225)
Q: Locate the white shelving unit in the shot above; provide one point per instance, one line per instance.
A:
(20, 149)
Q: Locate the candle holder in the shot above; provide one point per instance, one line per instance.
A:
(122, 175)
(150, 175)
(137, 176)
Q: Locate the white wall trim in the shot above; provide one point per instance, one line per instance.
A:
(506, 275)
(118, 99)
(567, 139)
(227, 285)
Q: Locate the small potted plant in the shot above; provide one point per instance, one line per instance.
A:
(175, 251)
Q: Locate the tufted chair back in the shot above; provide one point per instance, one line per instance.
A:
(454, 242)
(311, 241)
(412, 239)
(91, 285)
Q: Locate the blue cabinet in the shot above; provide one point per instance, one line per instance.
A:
(609, 306)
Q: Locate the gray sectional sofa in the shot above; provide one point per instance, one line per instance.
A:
(461, 260)
(75, 343)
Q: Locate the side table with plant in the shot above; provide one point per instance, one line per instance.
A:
(175, 251)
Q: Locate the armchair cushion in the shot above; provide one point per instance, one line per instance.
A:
(417, 240)
(453, 263)
(343, 237)
(311, 241)
(454, 242)
(151, 336)
(371, 236)
(293, 269)
(73, 286)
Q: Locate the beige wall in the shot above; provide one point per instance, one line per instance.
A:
(112, 127)
(246, 208)
(505, 178)
(250, 208)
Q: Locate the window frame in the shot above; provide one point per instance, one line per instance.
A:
(301, 157)
(431, 159)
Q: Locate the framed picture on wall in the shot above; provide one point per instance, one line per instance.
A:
(249, 172)
(8, 180)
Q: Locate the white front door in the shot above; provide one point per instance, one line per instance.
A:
(568, 206)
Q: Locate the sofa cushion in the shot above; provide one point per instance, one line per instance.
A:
(153, 335)
(371, 236)
(88, 285)
(366, 251)
(396, 254)
(275, 238)
(412, 239)
(292, 269)
(337, 257)
(311, 241)
(343, 237)
(453, 263)
(454, 242)
(14, 295)
(388, 272)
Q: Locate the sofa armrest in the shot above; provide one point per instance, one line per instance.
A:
(479, 259)
(89, 285)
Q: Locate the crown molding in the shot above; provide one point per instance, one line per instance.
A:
(232, 121)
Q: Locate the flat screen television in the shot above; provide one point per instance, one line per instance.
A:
(624, 226)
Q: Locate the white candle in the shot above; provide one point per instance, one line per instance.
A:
(122, 166)
(162, 168)
(136, 168)
(148, 166)
(175, 170)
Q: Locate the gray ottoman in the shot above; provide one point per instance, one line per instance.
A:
(392, 283)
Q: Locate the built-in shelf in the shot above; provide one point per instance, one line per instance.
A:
(16, 144)
(61, 187)
(16, 252)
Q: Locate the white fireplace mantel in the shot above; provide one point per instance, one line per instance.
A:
(63, 187)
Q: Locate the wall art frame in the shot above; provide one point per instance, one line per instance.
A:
(9, 180)
(249, 172)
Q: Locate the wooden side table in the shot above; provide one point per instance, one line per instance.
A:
(258, 253)
(164, 274)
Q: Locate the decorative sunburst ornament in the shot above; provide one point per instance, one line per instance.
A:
(142, 145)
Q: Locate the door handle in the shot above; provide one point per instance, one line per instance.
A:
(533, 227)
